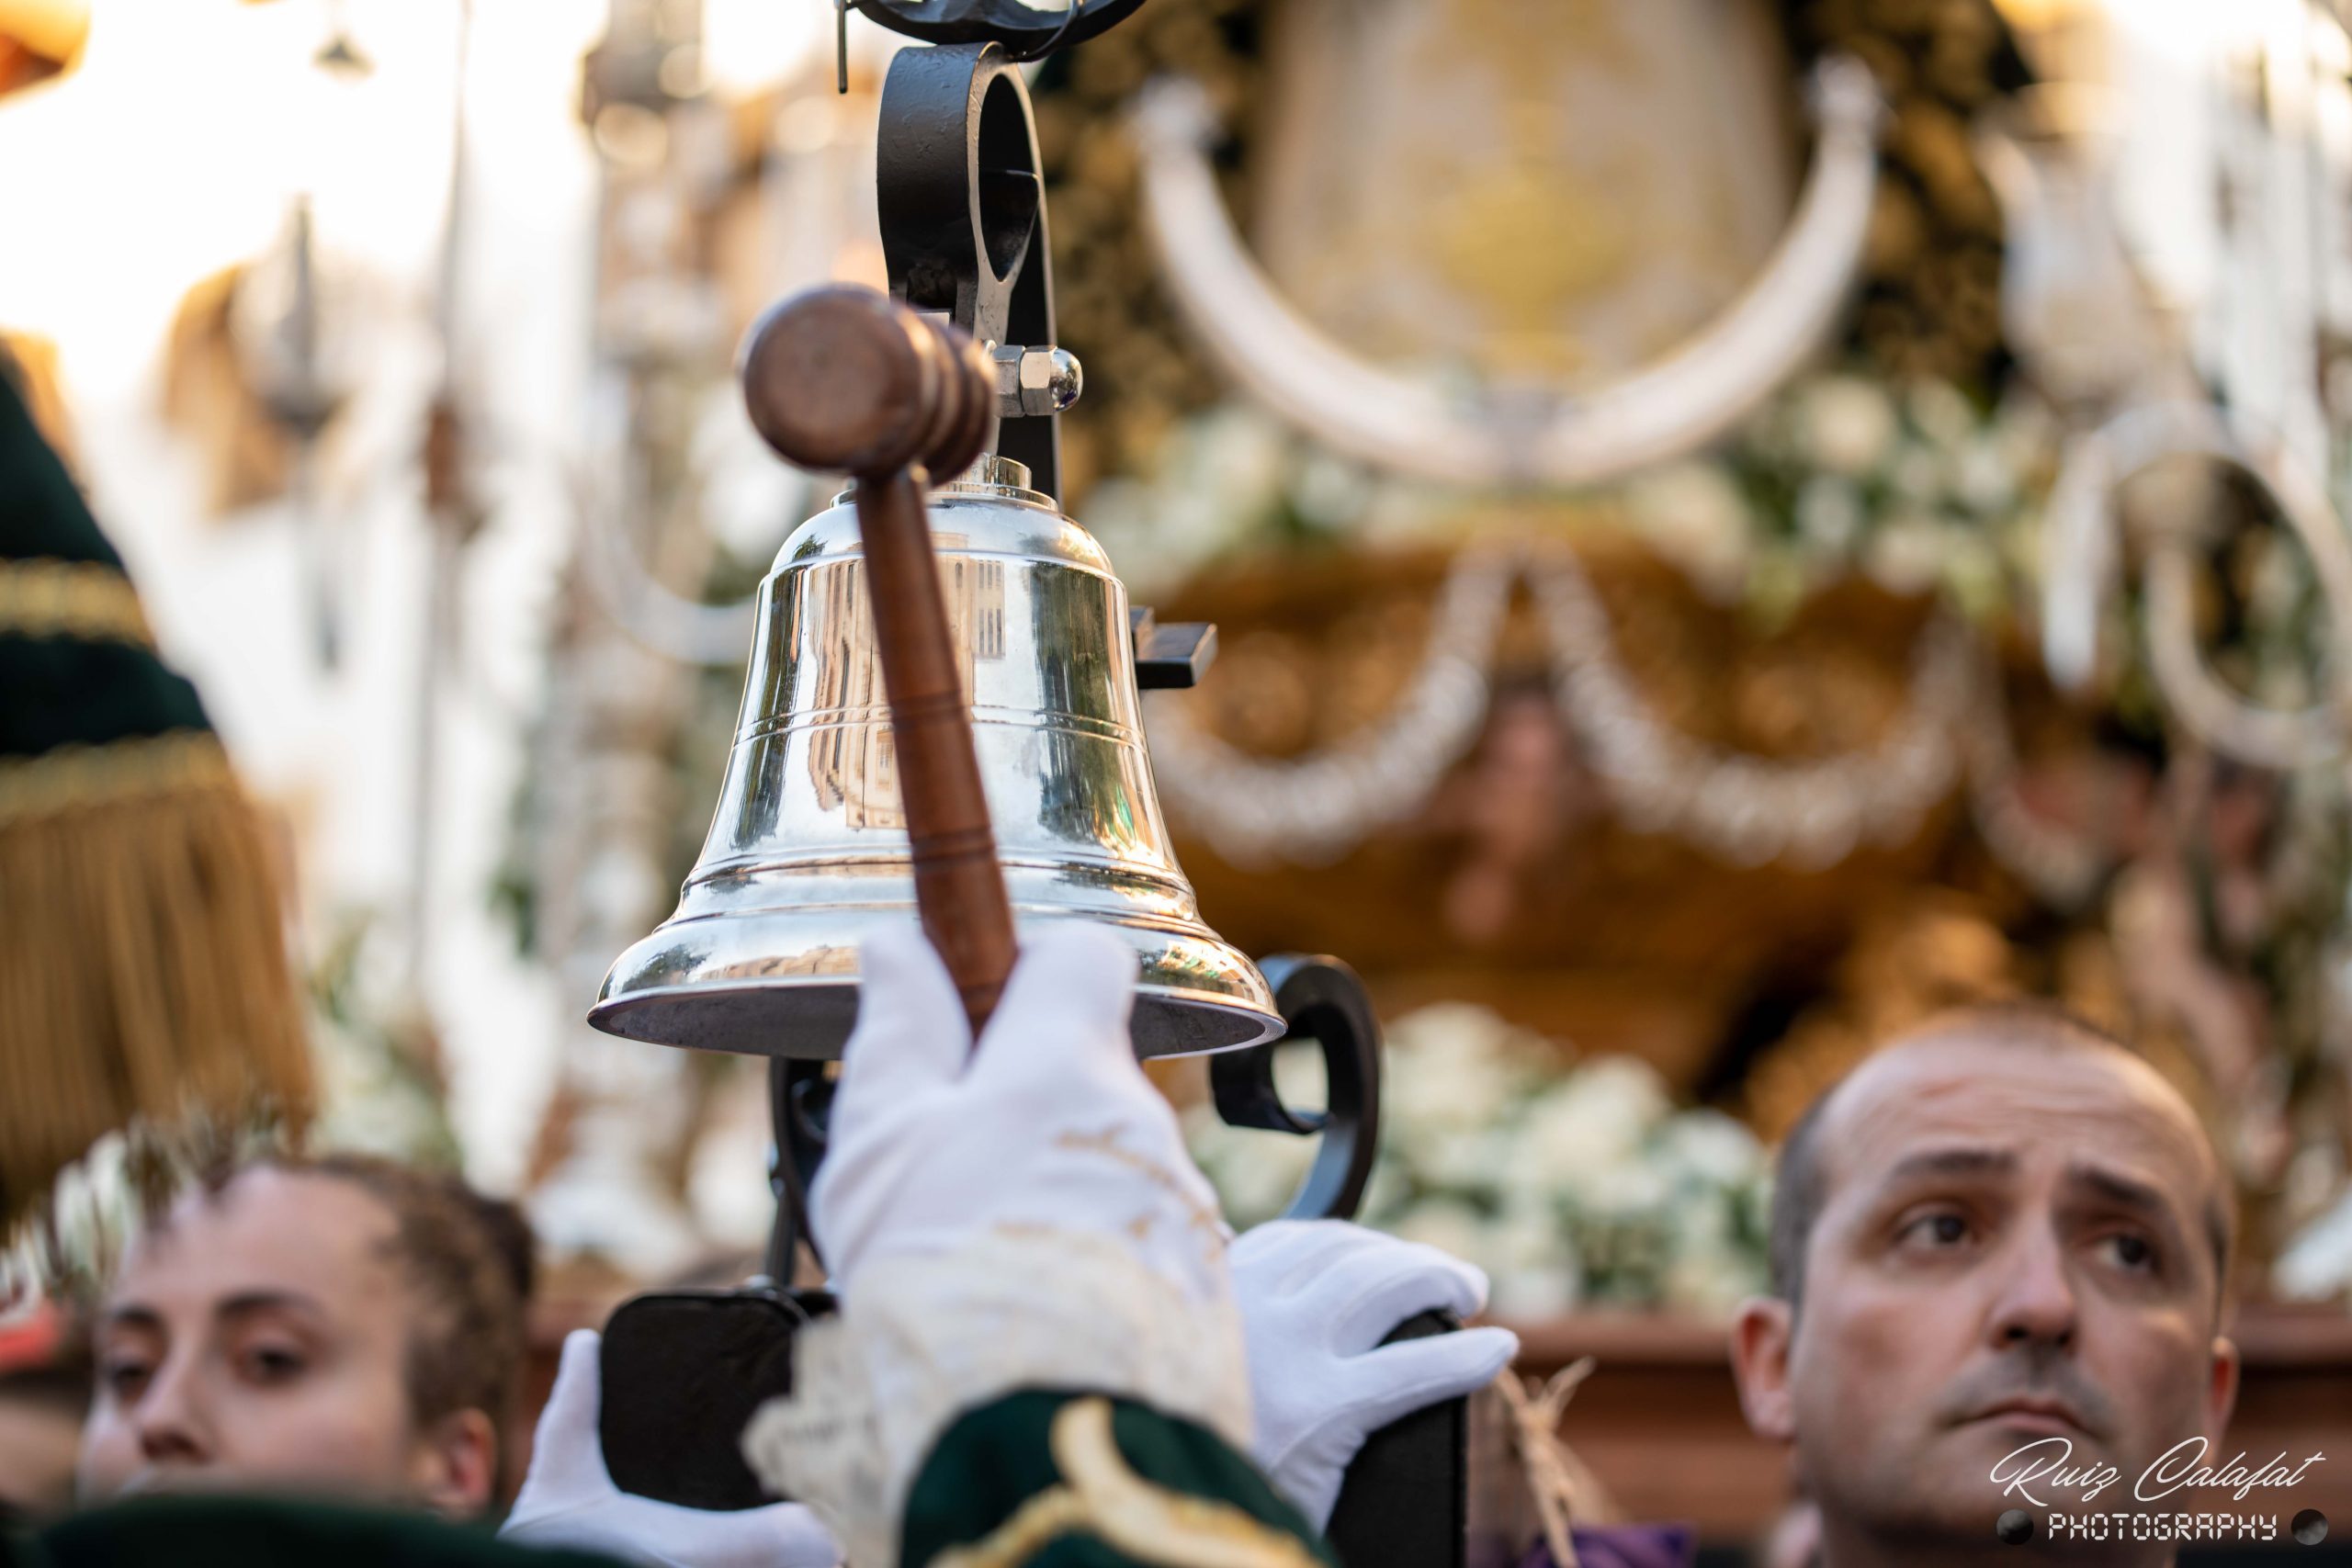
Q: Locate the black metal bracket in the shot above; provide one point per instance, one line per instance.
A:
(1324, 1000)
(1026, 31)
(800, 1098)
(961, 198)
(1171, 657)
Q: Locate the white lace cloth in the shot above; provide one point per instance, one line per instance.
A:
(932, 1336)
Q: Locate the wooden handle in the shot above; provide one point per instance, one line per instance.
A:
(958, 885)
(843, 379)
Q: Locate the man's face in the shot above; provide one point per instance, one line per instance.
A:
(2012, 1247)
(257, 1342)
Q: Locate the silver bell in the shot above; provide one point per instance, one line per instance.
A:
(808, 852)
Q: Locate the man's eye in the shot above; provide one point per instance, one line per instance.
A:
(2132, 1252)
(1944, 1229)
(125, 1376)
(274, 1364)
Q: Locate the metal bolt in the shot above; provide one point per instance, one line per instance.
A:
(1035, 381)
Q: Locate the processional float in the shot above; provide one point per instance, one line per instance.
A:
(942, 721)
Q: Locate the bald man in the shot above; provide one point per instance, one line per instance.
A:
(1999, 1255)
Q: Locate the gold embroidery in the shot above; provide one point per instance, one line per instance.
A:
(74, 777)
(1048, 1516)
(1128, 1514)
(74, 599)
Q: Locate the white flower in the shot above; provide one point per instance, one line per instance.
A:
(1699, 1220)
(1711, 1281)
(1452, 1067)
(1626, 1191)
(1695, 515)
(1478, 1158)
(1829, 512)
(1301, 1076)
(1237, 454)
(1591, 1122)
(1531, 1234)
(1535, 1293)
(1713, 1146)
(1454, 1228)
(1533, 1268)
(1920, 475)
(1904, 556)
(1628, 1086)
(1330, 490)
(1461, 1029)
(1986, 483)
(1847, 423)
(1941, 412)
(1254, 1173)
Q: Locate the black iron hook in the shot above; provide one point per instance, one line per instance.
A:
(1024, 33)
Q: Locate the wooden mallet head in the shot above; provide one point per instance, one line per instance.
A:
(843, 380)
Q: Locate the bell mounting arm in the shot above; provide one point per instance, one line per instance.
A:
(844, 380)
(963, 217)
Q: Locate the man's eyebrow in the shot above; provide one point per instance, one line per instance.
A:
(134, 1314)
(1962, 1160)
(251, 1303)
(2126, 1192)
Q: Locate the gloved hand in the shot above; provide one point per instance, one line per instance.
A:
(568, 1499)
(1316, 1298)
(1051, 1127)
(1023, 1218)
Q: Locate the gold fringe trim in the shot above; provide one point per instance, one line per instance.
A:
(80, 778)
(76, 599)
(144, 973)
(1106, 1498)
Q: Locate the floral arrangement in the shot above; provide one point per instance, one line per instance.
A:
(1920, 488)
(1574, 1183)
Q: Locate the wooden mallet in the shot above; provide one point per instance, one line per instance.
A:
(844, 379)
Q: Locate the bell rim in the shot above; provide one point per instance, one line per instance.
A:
(608, 1012)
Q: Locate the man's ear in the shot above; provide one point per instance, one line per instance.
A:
(1759, 1360)
(457, 1465)
(2221, 1394)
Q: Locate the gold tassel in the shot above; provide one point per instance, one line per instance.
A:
(144, 975)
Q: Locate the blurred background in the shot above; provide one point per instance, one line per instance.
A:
(1915, 572)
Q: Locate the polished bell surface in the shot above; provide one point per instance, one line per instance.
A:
(807, 851)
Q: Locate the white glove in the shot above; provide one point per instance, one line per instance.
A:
(1026, 1217)
(1316, 1297)
(1051, 1127)
(568, 1499)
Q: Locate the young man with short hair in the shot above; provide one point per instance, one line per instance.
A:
(345, 1327)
